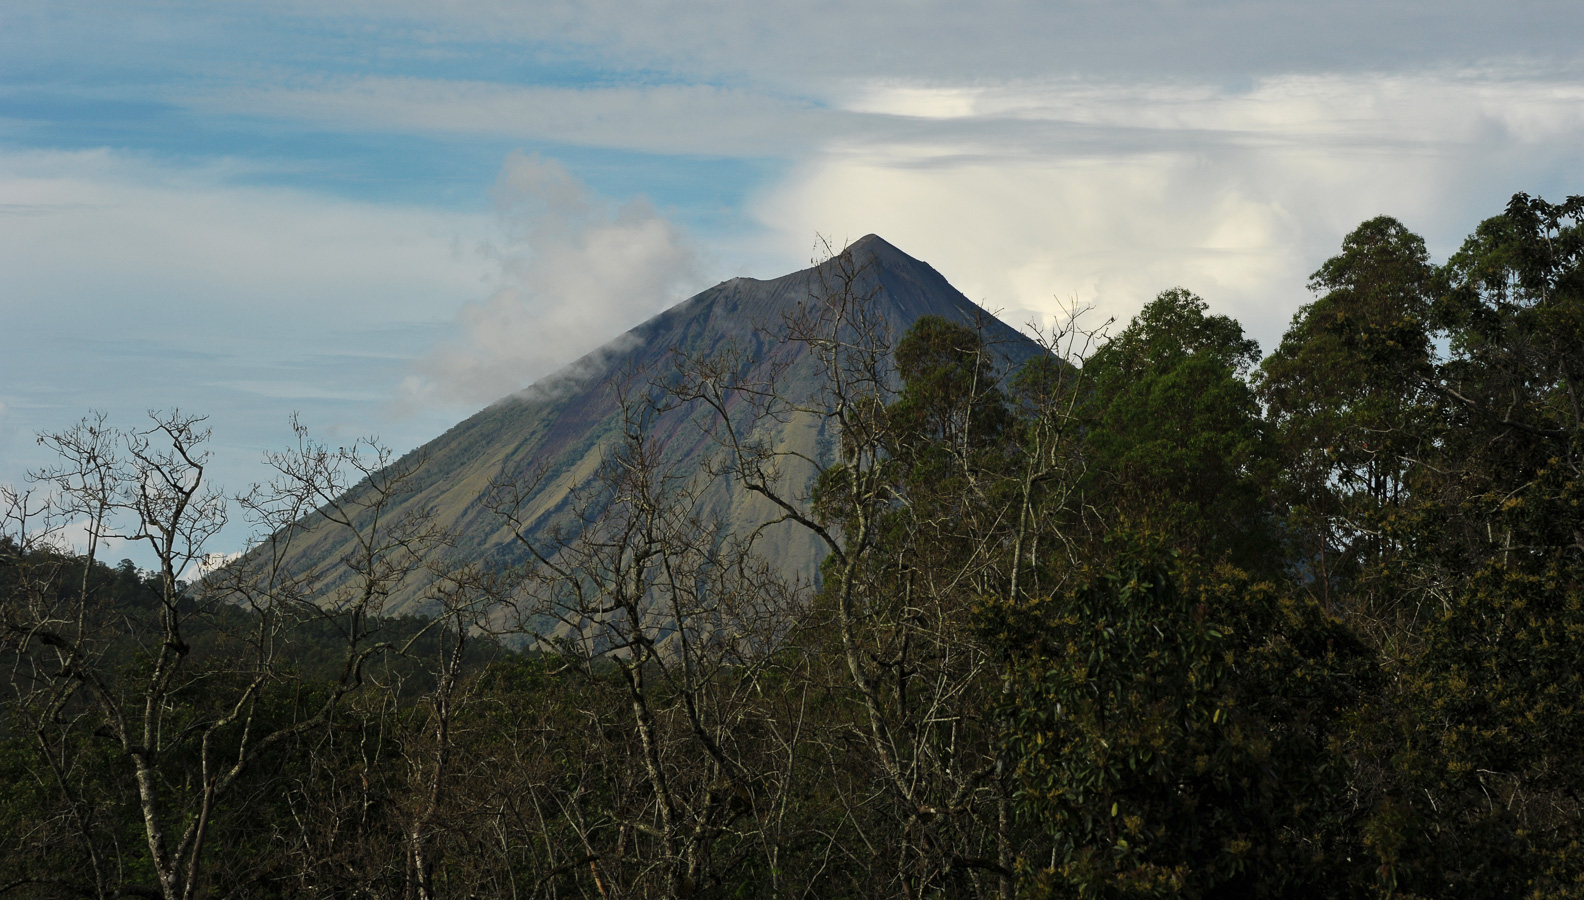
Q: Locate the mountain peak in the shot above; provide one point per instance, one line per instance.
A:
(870, 242)
(873, 246)
(558, 436)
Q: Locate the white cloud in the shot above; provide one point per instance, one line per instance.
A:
(1110, 193)
(1103, 191)
(208, 564)
(73, 537)
(1106, 191)
(122, 241)
(997, 117)
(128, 284)
(664, 118)
(575, 271)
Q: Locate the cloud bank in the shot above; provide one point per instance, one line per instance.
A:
(1109, 193)
(1104, 190)
(574, 270)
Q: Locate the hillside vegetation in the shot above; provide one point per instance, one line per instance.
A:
(1147, 614)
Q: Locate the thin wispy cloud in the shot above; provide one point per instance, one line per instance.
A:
(575, 270)
(664, 118)
(826, 41)
(120, 238)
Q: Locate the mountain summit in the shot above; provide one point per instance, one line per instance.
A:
(558, 432)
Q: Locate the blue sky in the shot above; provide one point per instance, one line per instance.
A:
(386, 215)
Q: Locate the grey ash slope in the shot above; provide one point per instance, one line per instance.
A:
(558, 430)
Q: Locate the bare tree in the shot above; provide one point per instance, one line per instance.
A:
(910, 552)
(175, 688)
(78, 494)
(649, 586)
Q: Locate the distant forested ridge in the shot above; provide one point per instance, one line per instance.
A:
(1149, 614)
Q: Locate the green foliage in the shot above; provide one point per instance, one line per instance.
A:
(1172, 735)
(1347, 395)
(1177, 442)
(1511, 388)
(1437, 499)
(1485, 745)
(1344, 384)
(945, 434)
(951, 396)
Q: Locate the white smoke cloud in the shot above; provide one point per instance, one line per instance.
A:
(575, 271)
(207, 565)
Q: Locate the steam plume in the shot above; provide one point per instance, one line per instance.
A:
(574, 270)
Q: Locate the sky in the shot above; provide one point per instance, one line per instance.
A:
(383, 216)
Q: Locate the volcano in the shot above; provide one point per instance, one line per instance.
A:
(557, 432)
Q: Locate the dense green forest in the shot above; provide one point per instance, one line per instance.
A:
(1153, 615)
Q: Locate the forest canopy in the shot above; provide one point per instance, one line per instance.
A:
(1149, 615)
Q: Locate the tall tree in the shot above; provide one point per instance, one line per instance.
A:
(1176, 441)
(1346, 395)
(1487, 719)
(1514, 383)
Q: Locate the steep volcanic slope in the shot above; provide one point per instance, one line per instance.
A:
(557, 430)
